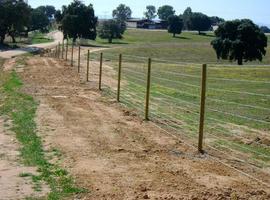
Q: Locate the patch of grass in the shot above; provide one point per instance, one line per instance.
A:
(39, 38)
(258, 153)
(21, 108)
(25, 174)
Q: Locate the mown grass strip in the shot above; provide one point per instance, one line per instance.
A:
(21, 109)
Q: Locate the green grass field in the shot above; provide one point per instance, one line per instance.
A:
(187, 47)
(238, 97)
(38, 38)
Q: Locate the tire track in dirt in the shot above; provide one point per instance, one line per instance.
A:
(115, 154)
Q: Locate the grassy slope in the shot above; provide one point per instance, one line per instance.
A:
(175, 99)
(38, 38)
(21, 109)
(188, 47)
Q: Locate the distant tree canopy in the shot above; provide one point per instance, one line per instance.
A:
(265, 29)
(216, 20)
(199, 22)
(240, 40)
(150, 12)
(14, 18)
(48, 10)
(39, 20)
(175, 25)
(186, 18)
(122, 13)
(111, 29)
(58, 16)
(78, 21)
(165, 11)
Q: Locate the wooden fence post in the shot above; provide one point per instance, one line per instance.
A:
(63, 49)
(119, 77)
(202, 110)
(72, 50)
(59, 50)
(148, 90)
(79, 59)
(87, 70)
(66, 50)
(55, 53)
(100, 70)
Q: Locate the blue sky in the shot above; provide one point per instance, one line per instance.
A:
(257, 10)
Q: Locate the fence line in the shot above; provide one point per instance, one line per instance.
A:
(175, 120)
(213, 78)
(211, 64)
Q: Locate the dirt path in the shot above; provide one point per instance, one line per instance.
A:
(13, 184)
(115, 154)
(56, 35)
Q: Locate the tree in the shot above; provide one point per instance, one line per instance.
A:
(265, 29)
(240, 40)
(175, 24)
(186, 18)
(216, 20)
(111, 29)
(150, 12)
(39, 20)
(14, 18)
(48, 10)
(79, 21)
(200, 22)
(122, 13)
(3, 22)
(165, 11)
(58, 16)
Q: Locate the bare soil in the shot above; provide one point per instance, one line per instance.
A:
(12, 185)
(115, 154)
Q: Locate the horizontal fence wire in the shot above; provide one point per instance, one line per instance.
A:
(233, 115)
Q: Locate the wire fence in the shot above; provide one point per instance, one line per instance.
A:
(229, 118)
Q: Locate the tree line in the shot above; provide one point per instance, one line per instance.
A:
(239, 40)
(17, 18)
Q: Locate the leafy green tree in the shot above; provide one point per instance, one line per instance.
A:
(150, 12)
(14, 18)
(175, 25)
(200, 22)
(3, 22)
(240, 40)
(122, 13)
(58, 16)
(111, 29)
(186, 18)
(165, 11)
(216, 20)
(265, 29)
(48, 10)
(39, 20)
(79, 21)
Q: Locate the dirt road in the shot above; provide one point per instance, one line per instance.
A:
(56, 35)
(113, 153)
